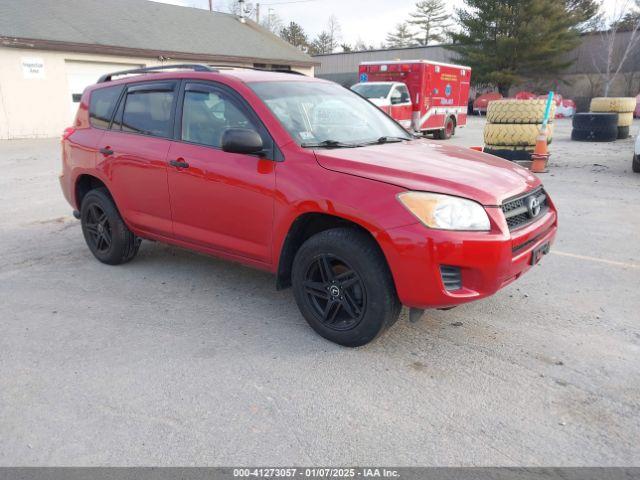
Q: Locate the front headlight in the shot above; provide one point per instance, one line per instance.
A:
(446, 212)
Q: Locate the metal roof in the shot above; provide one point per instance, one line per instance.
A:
(143, 26)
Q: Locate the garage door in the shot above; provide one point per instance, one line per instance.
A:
(82, 74)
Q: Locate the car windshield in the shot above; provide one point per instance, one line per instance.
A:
(372, 90)
(322, 114)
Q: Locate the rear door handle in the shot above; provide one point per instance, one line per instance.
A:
(179, 163)
(106, 151)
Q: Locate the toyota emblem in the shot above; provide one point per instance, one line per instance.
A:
(533, 207)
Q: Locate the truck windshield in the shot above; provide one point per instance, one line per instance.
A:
(319, 114)
(372, 90)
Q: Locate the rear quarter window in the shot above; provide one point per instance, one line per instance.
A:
(102, 105)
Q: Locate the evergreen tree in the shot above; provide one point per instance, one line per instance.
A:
(295, 35)
(328, 40)
(430, 18)
(401, 37)
(506, 41)
(322, 44)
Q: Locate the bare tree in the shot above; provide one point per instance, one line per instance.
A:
(595, 84)
(631, 85)
(334, 31)
(614, 54)
(272, 21)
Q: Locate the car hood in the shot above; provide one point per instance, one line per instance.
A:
(433, 167)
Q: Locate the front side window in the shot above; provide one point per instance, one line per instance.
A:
(207, 113)
(400, 94)
(317, 113)
(148, 112)
(102, 104)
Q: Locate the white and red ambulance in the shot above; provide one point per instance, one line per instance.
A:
(423, 96)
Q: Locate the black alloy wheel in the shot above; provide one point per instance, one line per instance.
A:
(98, 228)
(335, 293)
(343, 286)
(105, 232)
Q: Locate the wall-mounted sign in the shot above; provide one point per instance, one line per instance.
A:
(32, 67)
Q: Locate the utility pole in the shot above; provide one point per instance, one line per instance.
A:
(269, 17)
(211, 5)
(257, 13)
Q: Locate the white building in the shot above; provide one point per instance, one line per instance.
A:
(50, 50)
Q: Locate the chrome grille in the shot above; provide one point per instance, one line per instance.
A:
(520, 211)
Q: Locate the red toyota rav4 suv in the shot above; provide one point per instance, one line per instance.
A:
(305, 179)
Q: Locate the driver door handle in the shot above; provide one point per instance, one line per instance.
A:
(180, 163)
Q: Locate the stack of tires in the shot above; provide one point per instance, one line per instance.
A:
(623, 106)
(595, 127)
(513, 127)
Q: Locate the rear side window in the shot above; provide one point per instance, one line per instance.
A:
(148, 112)
(102, 104)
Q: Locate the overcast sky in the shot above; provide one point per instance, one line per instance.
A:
(369, 20)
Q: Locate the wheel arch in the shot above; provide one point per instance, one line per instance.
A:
(304, 227)
(84, 183)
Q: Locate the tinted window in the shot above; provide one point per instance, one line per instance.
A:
(148, 112)
(102, 104)
(207, 114)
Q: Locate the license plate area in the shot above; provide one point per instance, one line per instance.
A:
(539, 252)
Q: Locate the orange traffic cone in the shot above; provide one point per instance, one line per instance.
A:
(540, 155)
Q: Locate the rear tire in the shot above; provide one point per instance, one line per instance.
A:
(635, 165)
(448, 131)
(343, 287)
(105, 232)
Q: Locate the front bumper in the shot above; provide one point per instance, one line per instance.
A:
(487, 261)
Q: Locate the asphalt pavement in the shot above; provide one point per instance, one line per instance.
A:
(181, 359)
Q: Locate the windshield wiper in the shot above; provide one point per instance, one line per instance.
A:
(383, 140)
(330, 144)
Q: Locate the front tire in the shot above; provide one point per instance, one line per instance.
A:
(343, 287)
(105, 232)
(635, 165)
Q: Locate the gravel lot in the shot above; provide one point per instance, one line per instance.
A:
(181, 359)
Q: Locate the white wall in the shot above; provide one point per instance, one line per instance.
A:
(37, 103)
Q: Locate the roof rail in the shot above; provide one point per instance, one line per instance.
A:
(196, 67)
(259, 69)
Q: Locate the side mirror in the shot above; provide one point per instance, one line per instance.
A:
(396, 100)
(242, 140)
